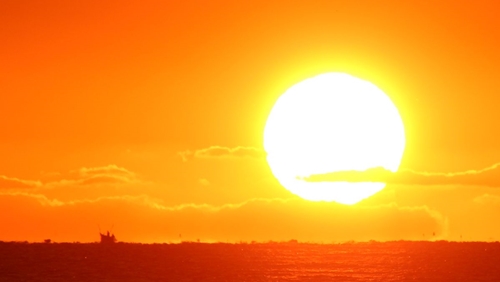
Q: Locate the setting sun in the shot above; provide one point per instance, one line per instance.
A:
(249, 140)
(328, 123)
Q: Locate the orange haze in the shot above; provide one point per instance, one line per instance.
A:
(148, 116)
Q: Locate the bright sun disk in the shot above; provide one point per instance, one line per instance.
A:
(332, 122)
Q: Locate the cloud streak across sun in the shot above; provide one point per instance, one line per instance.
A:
(489, 176)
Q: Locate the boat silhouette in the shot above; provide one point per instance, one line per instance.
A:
(107, 238)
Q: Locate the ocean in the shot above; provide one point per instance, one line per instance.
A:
(370, 261)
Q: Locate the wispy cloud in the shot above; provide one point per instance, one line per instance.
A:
(489, 176)
(105, 175)
(105, 170)
(110, 174)
(223, 152)
(16, 183)
(41, 199)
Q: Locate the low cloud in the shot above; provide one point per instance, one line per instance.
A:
(16, 183)
(110, 174)
(223, 152)
(141, 218)
(105, 175)
(41, 199)
(105, 170)
(489, 176)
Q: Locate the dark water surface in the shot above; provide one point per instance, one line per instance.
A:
(391, 261)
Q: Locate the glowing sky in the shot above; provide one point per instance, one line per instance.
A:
(149, 115)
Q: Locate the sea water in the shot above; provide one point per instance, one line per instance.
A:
(371, 261)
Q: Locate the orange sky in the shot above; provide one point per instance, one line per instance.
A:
(149, 116)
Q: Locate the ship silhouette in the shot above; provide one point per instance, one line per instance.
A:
(107, 238)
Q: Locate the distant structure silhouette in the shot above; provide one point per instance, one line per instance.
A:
(107, 238)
